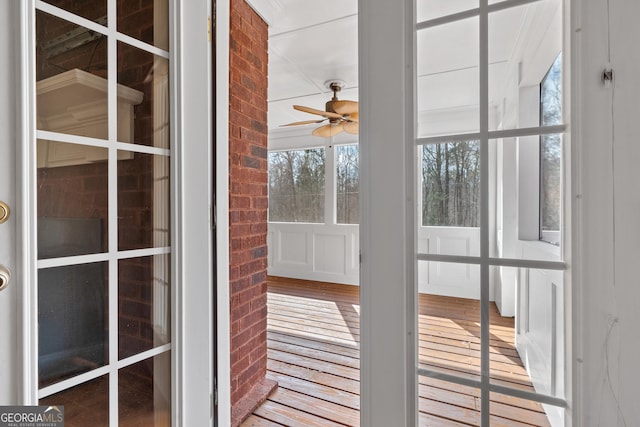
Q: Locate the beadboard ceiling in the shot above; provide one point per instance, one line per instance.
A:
(312, 41)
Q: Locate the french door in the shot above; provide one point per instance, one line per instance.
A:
(496, 61)
(102, 181)
(473, 80)
(105, 205)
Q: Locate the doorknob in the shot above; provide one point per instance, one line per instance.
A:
(4, 212)
(5, 277)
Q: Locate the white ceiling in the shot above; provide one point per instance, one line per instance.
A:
(312, 41)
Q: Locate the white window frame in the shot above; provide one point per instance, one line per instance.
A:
(192, 210)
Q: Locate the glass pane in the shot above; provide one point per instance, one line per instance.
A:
(450, 199)
(72, 320)
(451, 184)
(430, 9)
(296, 185)
(95, 10)
(551, 155)
(143, 108)
(524, 42)
(144, 299)
(449, 318)
(513, 411)
(347, 184)
(144, 397)
(143, 201)
(530, 354)
(550, 188)
(518, 195)
(448, 85)
(145, 20)
(71, 72)
(551, 95)
(85, 405)
(446, 404)
(72, 199)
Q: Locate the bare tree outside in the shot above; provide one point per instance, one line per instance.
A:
(451, 184)
(550, 151)
(347, 184)
(296, 185)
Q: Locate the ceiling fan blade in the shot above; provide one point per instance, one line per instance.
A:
(318, 112)
(329, 130)
(306, 122)
(353, 117)
(345, 107)
(352, 127)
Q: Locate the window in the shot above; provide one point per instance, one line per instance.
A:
(297, 190)
(551, 154)
(347, 184)
(451, 184)
(296, 185)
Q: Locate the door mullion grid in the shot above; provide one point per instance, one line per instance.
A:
(485, 367)
(112, 256)
(485, 261)
(112, 80)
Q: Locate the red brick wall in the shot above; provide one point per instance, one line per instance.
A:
(248, 198)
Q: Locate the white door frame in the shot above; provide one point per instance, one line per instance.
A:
(388, 288)
(193, 323)
(9, 353)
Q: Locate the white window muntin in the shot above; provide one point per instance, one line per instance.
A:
(485, 260)
(113, 255)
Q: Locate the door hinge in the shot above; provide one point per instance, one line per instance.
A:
(213, 217)
(214, 398)
(209, 28)
(215, 392)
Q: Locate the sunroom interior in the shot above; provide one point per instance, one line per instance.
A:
(313, 232)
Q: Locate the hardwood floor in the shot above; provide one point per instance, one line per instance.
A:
(313, 352)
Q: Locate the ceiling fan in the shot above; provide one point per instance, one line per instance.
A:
(342, 115)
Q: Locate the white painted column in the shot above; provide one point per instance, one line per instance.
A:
(387, 206)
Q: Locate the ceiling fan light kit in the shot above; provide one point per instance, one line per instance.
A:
(341, 114)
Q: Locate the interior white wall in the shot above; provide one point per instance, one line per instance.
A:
(9, 350)
(608, 204)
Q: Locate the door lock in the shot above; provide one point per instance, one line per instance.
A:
(4, 212)
(5, 277)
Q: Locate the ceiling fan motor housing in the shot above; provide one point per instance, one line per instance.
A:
(336, 86)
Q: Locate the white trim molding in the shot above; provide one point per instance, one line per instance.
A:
(386, 33)
(221, 211)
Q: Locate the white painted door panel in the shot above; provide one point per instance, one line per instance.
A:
(8, 298)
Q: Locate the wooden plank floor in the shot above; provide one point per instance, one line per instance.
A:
(313, 332)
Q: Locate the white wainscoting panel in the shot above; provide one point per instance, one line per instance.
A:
(293, 247)
(329, 252)
(440, 278)
(319, 252)
(540, 331)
